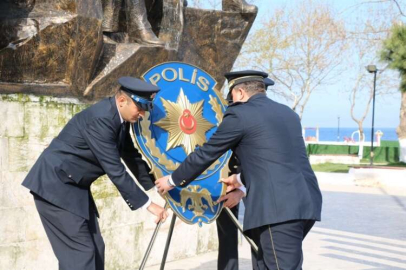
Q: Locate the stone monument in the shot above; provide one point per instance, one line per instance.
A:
(78, 48)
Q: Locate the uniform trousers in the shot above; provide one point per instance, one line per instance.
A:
(76, 242)
(280, 245)
(228, 241)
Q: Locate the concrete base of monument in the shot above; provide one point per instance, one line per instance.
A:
(377, 176)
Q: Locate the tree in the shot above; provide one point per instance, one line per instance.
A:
(397, 4)
(301, 47)
(394, 53)
(364, 36)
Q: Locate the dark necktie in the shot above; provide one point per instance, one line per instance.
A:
(123, 133)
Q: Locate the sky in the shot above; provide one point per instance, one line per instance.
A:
(329, 103)
(325, 106)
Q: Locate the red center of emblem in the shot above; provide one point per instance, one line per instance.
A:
(187, 122)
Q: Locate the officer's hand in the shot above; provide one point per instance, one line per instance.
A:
(231, 182)
(232, 198)
(158, 211)
(162, 184)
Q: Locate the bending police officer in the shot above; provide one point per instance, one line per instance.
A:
(91, 145)
(283, 198)
(227, 232)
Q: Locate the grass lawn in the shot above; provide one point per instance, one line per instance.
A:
(343, 168)
(397, 164)
(331, 167)
(365, 161)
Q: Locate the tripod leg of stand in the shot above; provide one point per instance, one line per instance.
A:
(151, 243)
(238, 225)
(168, 242)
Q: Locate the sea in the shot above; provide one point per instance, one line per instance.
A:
(339, 135)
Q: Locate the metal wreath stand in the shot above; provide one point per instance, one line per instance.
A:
(168, 239)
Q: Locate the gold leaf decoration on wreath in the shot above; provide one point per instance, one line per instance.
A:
(151, 145)
(216, 107)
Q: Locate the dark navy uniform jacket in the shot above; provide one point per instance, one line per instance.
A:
(89, 146)
(267, 138)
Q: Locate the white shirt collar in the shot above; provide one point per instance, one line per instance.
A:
(121, 118)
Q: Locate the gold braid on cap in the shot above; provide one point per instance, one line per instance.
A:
(239, 80)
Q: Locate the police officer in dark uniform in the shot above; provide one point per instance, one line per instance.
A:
(89, 146)
(283, 199)
(226, 230)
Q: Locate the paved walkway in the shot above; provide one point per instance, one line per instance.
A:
(362, 228)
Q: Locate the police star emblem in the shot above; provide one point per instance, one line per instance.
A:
(184, 123)
(185, 115)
